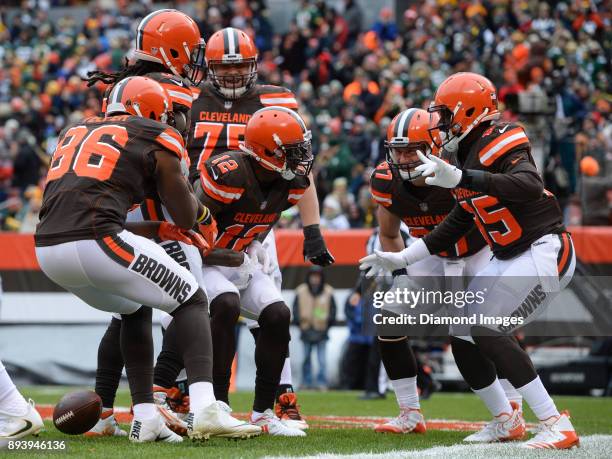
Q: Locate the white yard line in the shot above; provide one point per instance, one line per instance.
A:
(592, 446)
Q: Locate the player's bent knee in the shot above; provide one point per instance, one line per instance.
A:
(277, 316)
(225, 308)
(198, 299)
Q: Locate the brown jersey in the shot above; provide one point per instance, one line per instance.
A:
(217, 124)
(100, 169)
(249, 207)
(505, 195)
(420, 208)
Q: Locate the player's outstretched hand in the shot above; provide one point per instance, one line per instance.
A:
(315, 250)
(258, 253)
(379, 263)
(438, 171)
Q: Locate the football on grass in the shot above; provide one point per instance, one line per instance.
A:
(77, 412)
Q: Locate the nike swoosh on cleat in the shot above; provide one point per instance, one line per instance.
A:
(28, 426)
(163, 438)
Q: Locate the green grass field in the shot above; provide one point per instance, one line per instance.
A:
(590, 416)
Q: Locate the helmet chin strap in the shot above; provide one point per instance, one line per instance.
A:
(453, 144)
(285, 173)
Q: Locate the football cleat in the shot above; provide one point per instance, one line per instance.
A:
(216, 421)
(178, 402)
(154, 429)
(106, 426)
(272, 425)
(555, 432)
(174, 422)
(288, 411)
(409, 421)
(504, 427)
(16, 426)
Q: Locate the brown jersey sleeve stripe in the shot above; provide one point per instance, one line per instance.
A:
(171, 141)
(222, 193)
(501, 145)
(384, 199)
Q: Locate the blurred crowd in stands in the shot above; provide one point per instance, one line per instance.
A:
(550, 61)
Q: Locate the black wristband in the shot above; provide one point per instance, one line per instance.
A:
(312, 231)
(473, 180)
(399, 272)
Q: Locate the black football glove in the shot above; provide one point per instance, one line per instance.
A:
(315, 250)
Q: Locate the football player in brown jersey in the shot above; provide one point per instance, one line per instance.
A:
(170, 50)
(100, 169)
(226, 101)
(247, 191)
(403, 196)
(498, 189)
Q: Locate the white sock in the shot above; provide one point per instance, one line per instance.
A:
(145, 410)
(536, 396)
(406, 392)
(494, 398)
(11, 401)
(201, 394)
(512, 394)
(255, 415)
(286, 373)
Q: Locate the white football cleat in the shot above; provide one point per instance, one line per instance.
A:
(505, 427)
(271, 425)
(216, 421)
(555, 432)
(409, 420)
(106, 426)
(172, 419)
(154, 429)
(15, 426)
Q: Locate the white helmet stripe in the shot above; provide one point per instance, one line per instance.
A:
(143, 23)
(402, 121)
(231, 40)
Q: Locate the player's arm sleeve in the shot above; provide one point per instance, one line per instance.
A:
(457, 223)
(517, 180)
(308, 205)
(215, 187)
(277, 96)
(174, 190)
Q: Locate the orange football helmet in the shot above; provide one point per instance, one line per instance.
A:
(407, 133)
(462, 101)
(171, 38)
(231, 60)
(279, 140)
(140, 96)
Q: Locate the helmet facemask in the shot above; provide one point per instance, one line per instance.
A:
(195, 72)
(447, 133)
(298, 156)
(399, 147)
(233, 86)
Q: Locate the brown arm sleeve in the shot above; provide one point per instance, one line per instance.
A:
(518, 179)
(458, 222)
(174, 190)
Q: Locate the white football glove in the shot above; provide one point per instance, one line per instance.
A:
(379, 263)
(244, 272)
(258, 253)
(444, 174)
